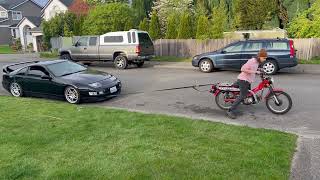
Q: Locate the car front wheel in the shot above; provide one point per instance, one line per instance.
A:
(270, 67)
(16, 90)
(206, 66)
(72, 95)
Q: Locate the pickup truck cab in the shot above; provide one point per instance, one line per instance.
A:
(123, 48)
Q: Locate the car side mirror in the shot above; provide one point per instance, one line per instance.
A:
(46, 77)
(75, 44)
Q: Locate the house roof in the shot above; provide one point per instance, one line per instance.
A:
(34, 20)
(11, 4)
(65, 2)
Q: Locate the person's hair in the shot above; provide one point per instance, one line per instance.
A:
(262, 53)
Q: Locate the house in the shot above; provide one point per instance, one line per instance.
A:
(11, 13)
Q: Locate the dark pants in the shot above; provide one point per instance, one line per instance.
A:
(244, 87)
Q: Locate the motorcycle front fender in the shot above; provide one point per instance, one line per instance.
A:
(274, 90)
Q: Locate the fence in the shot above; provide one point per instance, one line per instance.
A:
(306, 48)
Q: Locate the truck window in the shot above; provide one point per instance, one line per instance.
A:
(144, 39)
(113, 39)
(83, 41)
(129, 37)
(133, 37)
(93, 41)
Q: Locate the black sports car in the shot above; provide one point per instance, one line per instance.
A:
(61, 79)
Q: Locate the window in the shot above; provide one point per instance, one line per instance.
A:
(113, 39)
(277, 45)
(234, 48)
(82, 41)
(129, 37)
(144, 39)
(22, 72)
(16, 15)
(3, 14)
(253, 46)
(133, 37)
(37, 71)
(93, 41)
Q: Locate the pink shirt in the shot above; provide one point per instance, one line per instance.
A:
(249, 70)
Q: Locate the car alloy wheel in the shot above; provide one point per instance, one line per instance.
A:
(206, 65)
(72, 95)
(121, 62)
(16, 90)
(269, 67)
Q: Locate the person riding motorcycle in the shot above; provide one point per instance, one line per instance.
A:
(245, 78)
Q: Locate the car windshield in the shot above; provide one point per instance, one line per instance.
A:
(65, 68)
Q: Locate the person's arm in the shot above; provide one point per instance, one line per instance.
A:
(247, 69)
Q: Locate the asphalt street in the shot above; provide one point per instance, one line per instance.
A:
(141, 93)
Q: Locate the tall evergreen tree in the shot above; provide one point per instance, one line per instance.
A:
(172, 24)
(144, 25)
(185, 30)
(219, 21)
(154, 29)
(140, 9)
(203, 28)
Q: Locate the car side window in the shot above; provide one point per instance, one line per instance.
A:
(93, 41)
(253, 46)
(83, 41)
(234, 48)
(22, 71)
(277, 46)
(37, 71)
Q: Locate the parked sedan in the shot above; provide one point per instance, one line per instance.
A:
(281, 54)
(61, 79)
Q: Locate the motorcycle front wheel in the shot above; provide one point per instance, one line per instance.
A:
(279, 103)
(221, 99)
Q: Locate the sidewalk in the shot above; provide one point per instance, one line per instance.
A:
(301, 68)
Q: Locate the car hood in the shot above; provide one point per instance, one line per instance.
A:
(210, 53)
(87, 77)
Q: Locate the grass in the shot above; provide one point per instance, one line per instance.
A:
(171, 59)
(315, 60)
(54, 140)
(5, 49)
(53, 54)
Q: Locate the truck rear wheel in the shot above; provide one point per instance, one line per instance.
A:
(66, 56)
(121, 62)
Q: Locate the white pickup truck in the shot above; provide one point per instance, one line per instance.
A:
(123, 48)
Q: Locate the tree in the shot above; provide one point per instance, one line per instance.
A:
(307, 24)
(106, 18)
(154, 29)
(203, 28)
(100, 2)
(218, 21)
(172, 24)
(66, 31)
(144, 25)
(185, 30)
(140, 8)
(129, 25)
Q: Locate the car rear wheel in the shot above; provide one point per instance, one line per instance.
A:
(121, 62)
(16, 90)
(206, 66)
(72, 95)
(66, 56)
(270, 67)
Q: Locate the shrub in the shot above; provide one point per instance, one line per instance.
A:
(144, 25)
(185, 30)
(172, 26)
(154, 29)
(203, 28)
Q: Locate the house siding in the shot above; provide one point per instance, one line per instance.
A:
(5, 35)
(47, 11)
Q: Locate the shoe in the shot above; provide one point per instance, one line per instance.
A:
(231, 115)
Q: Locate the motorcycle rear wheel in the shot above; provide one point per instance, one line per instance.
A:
(221, 96)
(284, 105)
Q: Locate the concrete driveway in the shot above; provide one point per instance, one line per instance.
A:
(140, 93)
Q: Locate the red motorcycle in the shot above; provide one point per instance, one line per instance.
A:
(277, 101)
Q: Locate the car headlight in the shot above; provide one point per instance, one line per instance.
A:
(95, 85)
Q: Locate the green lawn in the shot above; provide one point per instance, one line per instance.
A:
(315, 60)
(171, 59)
(53, 54)
(54, 140)
(5, 49)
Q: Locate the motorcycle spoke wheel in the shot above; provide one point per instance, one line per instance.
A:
(280, 103)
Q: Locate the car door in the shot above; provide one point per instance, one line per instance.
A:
(35, 83)
(93, 49)
(79, 50)
(251, 49)
(231, 56)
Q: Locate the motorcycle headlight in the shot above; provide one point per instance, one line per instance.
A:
(95, 85)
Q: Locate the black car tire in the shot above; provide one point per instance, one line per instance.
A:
(140, 64)
(72, 95)
(66, 56)
(206, 65)
(270, 67)
(16, 90)
(121, 62)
